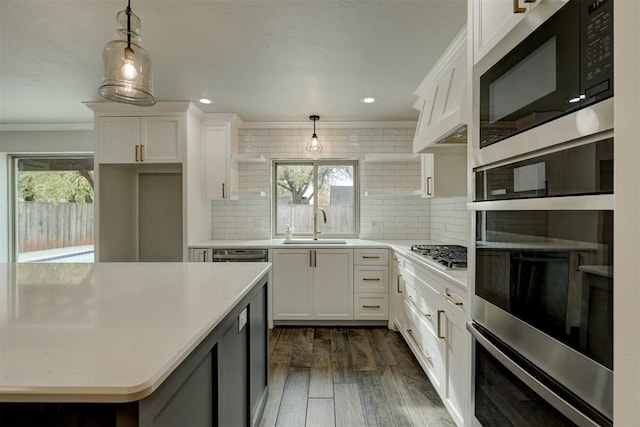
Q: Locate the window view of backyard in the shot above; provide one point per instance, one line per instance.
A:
(303, 188)
(54, 210)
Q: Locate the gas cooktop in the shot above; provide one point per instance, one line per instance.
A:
(451, 256)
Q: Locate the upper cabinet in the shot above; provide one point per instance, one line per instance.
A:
(220, 136)
(442, 102)
(444, 175)
(130, 139)
(493, 20)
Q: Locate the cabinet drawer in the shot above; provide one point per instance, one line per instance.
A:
(425, 307)
(372, 306)
(430, 350)
(431, 290)
(371, 257)
(371, 279)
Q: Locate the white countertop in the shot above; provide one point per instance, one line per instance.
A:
(108, 332)
(401, 246)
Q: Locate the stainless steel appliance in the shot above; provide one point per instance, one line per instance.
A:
(564, 65)
(450, 256)
(543, 300)
(240, 255)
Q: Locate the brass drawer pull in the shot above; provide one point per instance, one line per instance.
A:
(517, 8)
(449, 298)
(375, 279)
(410, 332)
(370, 306)
(371, 256)
(418, 308)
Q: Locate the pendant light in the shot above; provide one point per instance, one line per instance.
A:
(314, 147)
(126, 66)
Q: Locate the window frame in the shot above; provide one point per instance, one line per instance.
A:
(355, 163)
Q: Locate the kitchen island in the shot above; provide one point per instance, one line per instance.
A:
(133, 343)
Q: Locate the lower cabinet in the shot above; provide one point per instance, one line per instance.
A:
(434, 328)
(313, 284)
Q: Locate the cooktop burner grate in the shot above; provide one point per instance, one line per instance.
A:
(451, 256)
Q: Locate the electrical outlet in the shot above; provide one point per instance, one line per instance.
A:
(242, 319)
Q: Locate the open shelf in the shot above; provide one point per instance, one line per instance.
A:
(391, 157)
(248, 158)
(391, 192)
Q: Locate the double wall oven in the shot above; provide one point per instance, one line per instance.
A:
(542, 308)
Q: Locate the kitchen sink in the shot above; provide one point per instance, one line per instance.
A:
(315, 242)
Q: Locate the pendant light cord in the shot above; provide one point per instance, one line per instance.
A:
(128, 11)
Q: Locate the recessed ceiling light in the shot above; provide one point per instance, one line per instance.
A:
(368, 100)
(205, 101)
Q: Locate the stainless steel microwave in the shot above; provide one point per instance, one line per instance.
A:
(564, 65)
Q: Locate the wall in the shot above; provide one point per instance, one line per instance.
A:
(382, 217)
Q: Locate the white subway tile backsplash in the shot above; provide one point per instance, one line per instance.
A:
(389, 217)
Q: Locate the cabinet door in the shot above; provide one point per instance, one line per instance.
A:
(458, 359)
(333, 284)
(444, 175)
(258, 354)
(118, 139)
(216, 142)
(396, 294)
(200, 255)
(292, 284)
(161, 139)
(492, 21)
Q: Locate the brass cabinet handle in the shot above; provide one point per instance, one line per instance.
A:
(398, 283)
(376, 279)
(449, 298)
(517, 8)
(315, 258)
(141, 153)
(204, 256)
(137, 155)
(530, 1)
(371, 256)
(310, 258)
(428, 184)
(223, 190)
(439, 322)
(370, 306)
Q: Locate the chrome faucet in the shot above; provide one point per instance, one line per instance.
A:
(315, 221)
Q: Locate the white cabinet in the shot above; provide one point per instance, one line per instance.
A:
(396, 296)
(313, 284)
(444, 175)
(293, 283)
(221, 172)
(442, 102)
(371, 272)
(434, 328)
(200, 255)
(152, 139)
(492, 21)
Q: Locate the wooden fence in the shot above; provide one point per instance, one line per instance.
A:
(300, 217)
(48, 225)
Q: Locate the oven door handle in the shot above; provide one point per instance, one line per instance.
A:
(533, 383)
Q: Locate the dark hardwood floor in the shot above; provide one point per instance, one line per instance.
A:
(348, 377)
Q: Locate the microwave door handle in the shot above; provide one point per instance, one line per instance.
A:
(539, 260)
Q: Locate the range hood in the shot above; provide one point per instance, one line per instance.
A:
(442, 102)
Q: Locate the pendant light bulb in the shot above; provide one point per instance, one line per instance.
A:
(128, 70)
(314, 147)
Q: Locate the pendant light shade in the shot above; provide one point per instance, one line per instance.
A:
(126, 66)
(314, 147)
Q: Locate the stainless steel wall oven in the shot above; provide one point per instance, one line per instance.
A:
(543, 300)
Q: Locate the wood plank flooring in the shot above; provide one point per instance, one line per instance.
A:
(324, 377)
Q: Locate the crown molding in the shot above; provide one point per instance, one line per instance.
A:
(45, 127)
(328, 125)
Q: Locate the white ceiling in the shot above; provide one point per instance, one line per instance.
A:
(266, 60)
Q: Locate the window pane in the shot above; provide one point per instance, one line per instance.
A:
(337, 197)
(294, 202)
(54, 206)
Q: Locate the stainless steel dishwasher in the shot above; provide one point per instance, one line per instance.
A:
(240, 255)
